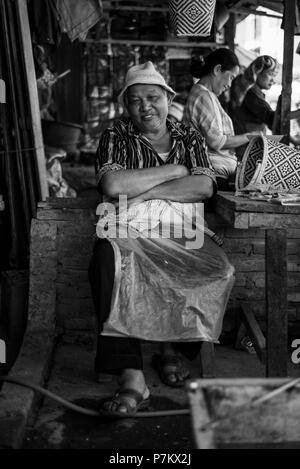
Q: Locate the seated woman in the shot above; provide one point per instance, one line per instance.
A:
(147, 285)
(248, 107)
(204, 112)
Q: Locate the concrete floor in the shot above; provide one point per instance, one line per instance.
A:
(72, 377)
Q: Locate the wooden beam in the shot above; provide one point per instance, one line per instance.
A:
(132, 8)
(294, 114)
(251, 11)
(33, 97)
(287, 69)
(204, 438)
(230, 31)
(137, 42)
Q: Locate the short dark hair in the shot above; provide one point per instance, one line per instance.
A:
(201, 66)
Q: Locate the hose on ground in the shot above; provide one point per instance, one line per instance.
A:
(159, 413)
(91, 412)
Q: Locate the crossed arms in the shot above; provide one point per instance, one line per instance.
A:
(168, 182)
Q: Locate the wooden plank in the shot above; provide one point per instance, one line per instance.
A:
(70, 203)
(241, 204)
(244, 264)
(230, 31)
(252, 11)
(276, 302)
(268, 220)
(267, 383)
(248, 233)
(33, 96)
(133, 8)
(226, 209)
(139, 42)
(204, 439)
(248, 294)
(294, 114)
(287, 68)
(246, 246)
(78, 215)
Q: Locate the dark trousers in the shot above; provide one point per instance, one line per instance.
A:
(114, 353)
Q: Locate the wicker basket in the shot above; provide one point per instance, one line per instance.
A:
(267, 162)
(192, 17)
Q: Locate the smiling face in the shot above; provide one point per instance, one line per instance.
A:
(147, 106)
(222, 79)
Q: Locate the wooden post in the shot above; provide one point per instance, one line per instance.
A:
(230, 30)
(287, 71)
(33, 96)
(276, 302)
(204, 437)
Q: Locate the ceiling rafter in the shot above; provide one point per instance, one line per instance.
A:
(241, 7)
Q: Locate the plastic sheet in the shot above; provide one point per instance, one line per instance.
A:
(163, 290)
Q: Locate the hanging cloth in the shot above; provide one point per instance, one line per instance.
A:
(76, 17)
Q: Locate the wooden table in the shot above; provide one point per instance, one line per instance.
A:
(243, 213)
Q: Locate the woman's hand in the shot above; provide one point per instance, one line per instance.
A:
(127, 203)
(181, 170)
(250, 135)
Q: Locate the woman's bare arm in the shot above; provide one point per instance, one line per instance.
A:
(133, 182)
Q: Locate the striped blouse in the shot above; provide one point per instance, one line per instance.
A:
(124, 147)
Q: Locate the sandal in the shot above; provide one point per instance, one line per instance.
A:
(119, 399)
(167, 365)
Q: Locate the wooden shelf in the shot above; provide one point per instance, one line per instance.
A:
(140, 42)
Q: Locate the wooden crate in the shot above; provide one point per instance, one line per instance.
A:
(226, 413)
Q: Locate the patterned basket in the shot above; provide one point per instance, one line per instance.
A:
(192, 17)
(266, 161)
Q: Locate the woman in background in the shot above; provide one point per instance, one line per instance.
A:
(204, 112)
(248, 107)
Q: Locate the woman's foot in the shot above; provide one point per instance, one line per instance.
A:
(132, 395)
(171, 370)
(170, 366)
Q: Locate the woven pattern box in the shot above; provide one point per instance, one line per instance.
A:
(192, 17)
